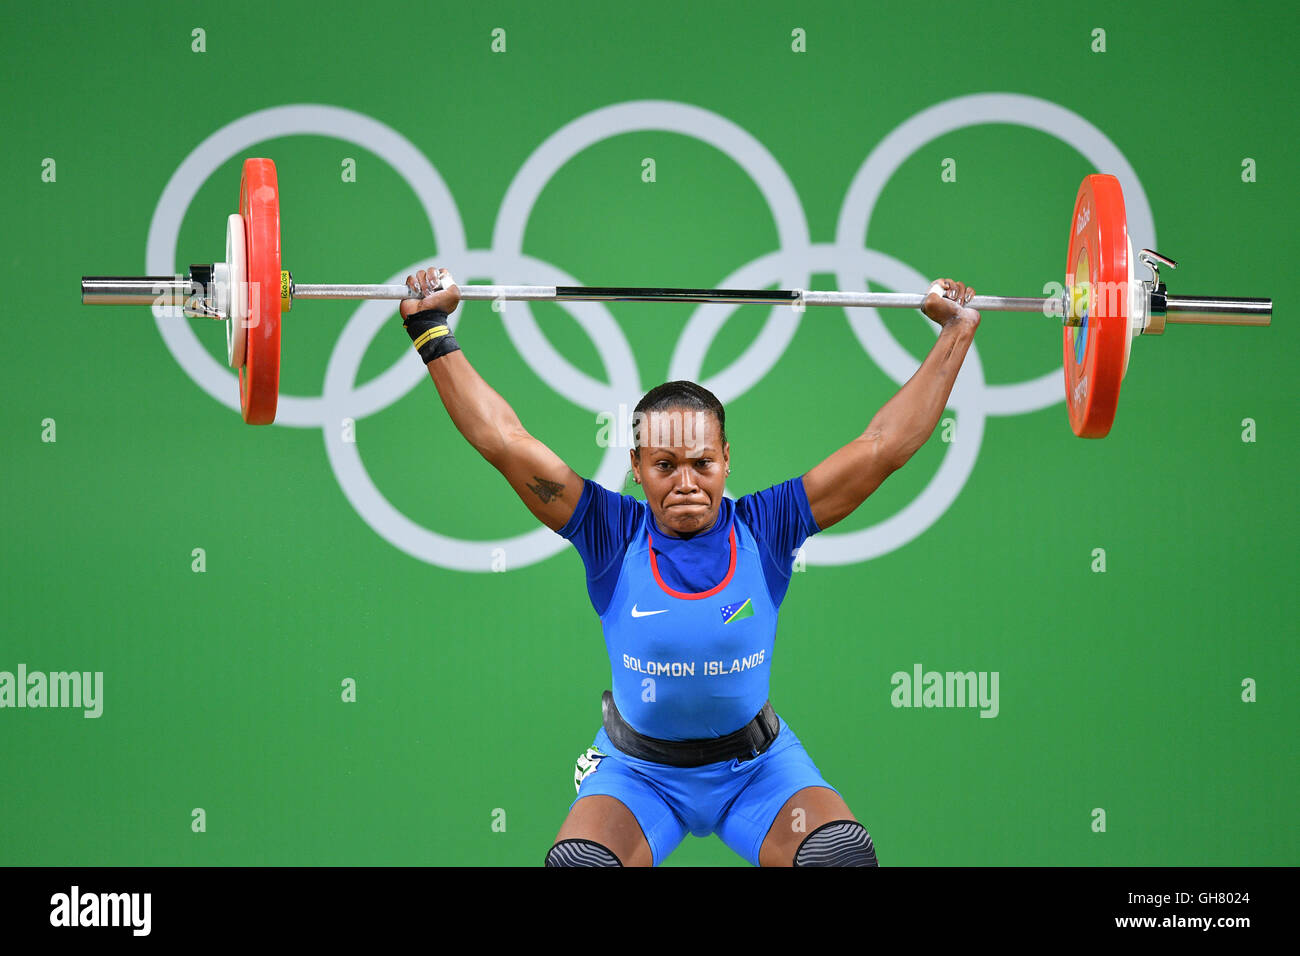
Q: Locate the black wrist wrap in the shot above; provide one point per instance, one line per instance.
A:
(430, 334)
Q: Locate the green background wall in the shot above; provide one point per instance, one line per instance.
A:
(476, 691)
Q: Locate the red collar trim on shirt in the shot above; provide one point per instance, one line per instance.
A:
(731, 569)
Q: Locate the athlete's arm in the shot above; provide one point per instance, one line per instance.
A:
(843, 481)
(548, 487)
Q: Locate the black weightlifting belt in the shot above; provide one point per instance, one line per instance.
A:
(745, 744)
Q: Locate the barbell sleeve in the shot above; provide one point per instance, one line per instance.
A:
(135, 290)
(1210, 310)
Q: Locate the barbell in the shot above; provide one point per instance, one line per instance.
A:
(1102, 306)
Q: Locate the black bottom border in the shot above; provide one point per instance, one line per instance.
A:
(236, 904)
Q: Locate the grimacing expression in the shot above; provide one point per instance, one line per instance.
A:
(682, 466)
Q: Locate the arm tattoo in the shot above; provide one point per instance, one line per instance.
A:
(546, 490)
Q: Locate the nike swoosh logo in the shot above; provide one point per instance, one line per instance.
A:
(636, 613)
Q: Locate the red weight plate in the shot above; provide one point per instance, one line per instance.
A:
(1096, 273)
(259, 379)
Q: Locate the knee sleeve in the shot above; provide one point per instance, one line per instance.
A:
(580, 853)
(839, 843)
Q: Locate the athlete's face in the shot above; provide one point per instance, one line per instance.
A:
(682, 464)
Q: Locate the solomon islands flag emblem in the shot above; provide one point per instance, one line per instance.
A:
(734, 612)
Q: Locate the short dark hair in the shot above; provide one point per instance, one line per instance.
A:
(679, 394)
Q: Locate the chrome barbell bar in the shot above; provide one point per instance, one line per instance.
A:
(193, 296)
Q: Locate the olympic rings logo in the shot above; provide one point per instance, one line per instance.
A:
(791, 266)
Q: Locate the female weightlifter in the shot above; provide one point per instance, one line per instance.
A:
(687, 585)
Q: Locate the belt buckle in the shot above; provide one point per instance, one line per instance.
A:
(769, 734)
(756, 752)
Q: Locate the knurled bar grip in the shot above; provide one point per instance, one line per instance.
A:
(541, 293)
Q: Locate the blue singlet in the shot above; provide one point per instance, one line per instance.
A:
(690, 628)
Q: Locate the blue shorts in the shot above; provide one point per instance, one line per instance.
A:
(737, 801)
